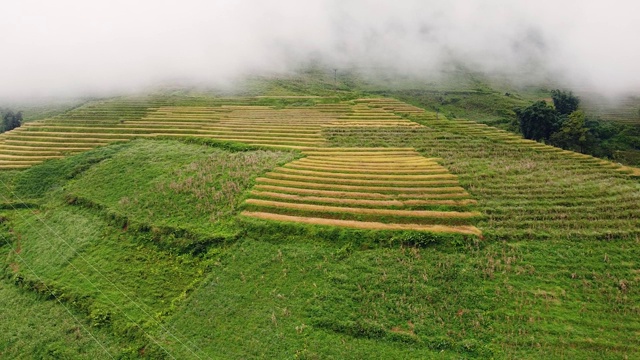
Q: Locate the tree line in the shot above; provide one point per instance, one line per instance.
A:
(566, 126)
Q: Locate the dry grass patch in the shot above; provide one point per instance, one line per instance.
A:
(391, 189)
(315, 192)
(36, 151)
(363, 211)
(272, 141)
(633, 171)
(413, 165)
(72, 135)
(425, 180)
(455, 193)
(363, 153)
(265, 128)
(370, 150)
(348, 201)
(429, 169)
(355, 200)
(367, 175)
(364, 161)
(20, 163)
(468, 230)
(16, 166)
(440, 179)
(32, 158)
(47, 144)
(265, 136)
(374, 158)
(253, 132)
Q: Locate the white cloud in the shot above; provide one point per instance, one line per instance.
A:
(70, 47)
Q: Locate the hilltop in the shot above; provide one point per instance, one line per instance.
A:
(310, 219)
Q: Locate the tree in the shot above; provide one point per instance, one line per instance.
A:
(11, 121)
(538, 121)
(564, 101)
(573, 135)
(17, 120)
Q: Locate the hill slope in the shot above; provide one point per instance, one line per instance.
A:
(142, 243)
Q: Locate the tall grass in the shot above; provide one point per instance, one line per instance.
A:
(173, 184)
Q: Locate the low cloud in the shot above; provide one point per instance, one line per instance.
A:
(72, 47)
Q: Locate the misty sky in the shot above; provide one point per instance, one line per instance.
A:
(75, 47)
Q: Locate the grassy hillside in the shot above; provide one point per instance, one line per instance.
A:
(523, 299)
(295, 226)
(33, 327)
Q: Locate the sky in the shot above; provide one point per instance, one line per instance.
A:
(82, 47)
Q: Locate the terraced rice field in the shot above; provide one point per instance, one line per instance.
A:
(265, 126)
(474, 129)
(367, 188)
(523, 189)
(371, 163)
(106, 122)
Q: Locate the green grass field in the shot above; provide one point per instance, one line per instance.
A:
(33, 327)
(191, 226)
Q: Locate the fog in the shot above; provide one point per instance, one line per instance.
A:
(74, 47)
